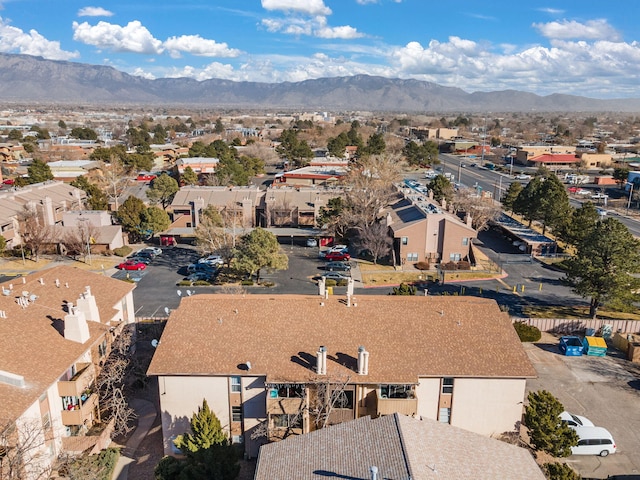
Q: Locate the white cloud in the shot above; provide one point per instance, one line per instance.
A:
(94, 12)
(15, 40)
(591, 30)
(316, 27)
(196, 45)
(551, 11)
(307, 7)
(366, 2)
(133, 37)
(139, 72)
(345, 32)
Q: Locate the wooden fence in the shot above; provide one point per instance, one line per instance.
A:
(569, 326)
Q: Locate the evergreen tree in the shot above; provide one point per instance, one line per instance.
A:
(553, 202)
(560, 471)
(293, 149)
(259, 250)
(130, 215)
(510, 196)
(206, 431)
(375, 145)
(154, 220)
(546, 431)
(39, 172)
(441, 188)
(602, 268)
(579, 224)
(219, 128)
(528, 202)
(404, 289)
(162, 190)
(96, 198)
(189, 177)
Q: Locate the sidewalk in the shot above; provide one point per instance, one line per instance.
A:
(146, 413)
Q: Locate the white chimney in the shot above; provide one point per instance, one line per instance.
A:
(321, 361)
(374, 472)
(321, 287)
(363, 361)
(75, 325)
(87, 304)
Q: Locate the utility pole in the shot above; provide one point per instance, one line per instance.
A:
(484, 139)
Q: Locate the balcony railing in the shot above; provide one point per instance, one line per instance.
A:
(284, 405)
(387, 406)
(80, 382)
(82, 413)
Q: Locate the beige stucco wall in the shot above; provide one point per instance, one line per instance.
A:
(428, 393)
(487, 406)
(180, 398)
(254, 398)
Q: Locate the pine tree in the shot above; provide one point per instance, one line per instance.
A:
(206, 431)
(546, 431)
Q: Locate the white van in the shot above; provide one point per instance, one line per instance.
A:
(594, 441)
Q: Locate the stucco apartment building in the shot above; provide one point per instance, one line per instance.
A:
(56, 330)
(423, 231)
(263, 361)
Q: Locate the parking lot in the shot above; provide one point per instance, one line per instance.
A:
(156, 285)
(606, 390)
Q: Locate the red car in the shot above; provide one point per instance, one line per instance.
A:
(145, 177)
(337, 256)
(132, 265)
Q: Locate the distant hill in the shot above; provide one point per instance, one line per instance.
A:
(25, 78)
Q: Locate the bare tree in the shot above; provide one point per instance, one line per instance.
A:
(218, 231)
(22, 450)
(481, 210)
(34, 232)
(376, 239)
(78, 240)
(281, 213)
(369, 188)
(111, 384)
(114, 180)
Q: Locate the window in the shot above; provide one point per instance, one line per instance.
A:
(345, 399)
(412, 257)
(465, 241)
(445, 415)
(396, 391)
(447, 386)
(455, 257)
(46, 421)
(102, 348)
(405, 240)
(285, 420)
(290, 391)
(236, 385)
(237, 439)
(236, 414)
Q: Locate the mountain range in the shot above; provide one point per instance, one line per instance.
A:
(30, 79)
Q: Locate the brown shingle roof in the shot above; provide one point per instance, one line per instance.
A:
(401, 447)
(31, 339)
(406, 337)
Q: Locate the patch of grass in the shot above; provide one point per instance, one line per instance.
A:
(395, 278)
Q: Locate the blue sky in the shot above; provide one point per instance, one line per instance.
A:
(584, 47)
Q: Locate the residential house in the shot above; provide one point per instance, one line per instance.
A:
(554, 160)
(263, 361)
(198, 164)
(395, 446)
(49, 200)
(313, 175)
(68, 170)
(56, 330)
(525, 152)
(423, 231)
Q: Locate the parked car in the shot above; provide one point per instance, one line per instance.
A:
(198, 276)
(334, 276)
(571, 346)
(575, 420)
(131, 264)
(200, 267)
(338, 267)
(155, 250)
(135, 258)
(599, 195)
(212, 260)
(523, 176)
(583, 191)
(337, 256)
(145, 177)
(594, 441)
(312, 242)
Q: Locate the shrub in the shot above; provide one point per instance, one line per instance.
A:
(448, 266)
(201, 283)
(184, 283)
(123, 251)
(560, 471)
(343, 282)
(267, 284)
(527, 333)
(404, 289)
(464, 265)
(330, 282)
(422, 265)
(247, 282)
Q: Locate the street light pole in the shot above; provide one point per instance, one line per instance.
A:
(511, 167)
(630, 195)
(484, 139)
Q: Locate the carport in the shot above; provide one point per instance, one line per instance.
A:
(533, 242)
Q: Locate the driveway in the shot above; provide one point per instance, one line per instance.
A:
(606, 390)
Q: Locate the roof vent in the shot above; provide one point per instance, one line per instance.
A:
(11, 379)
(321, 361)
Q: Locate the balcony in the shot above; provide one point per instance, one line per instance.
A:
(284, 405)
(82, 413)
(80, 382)
(406, 406)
